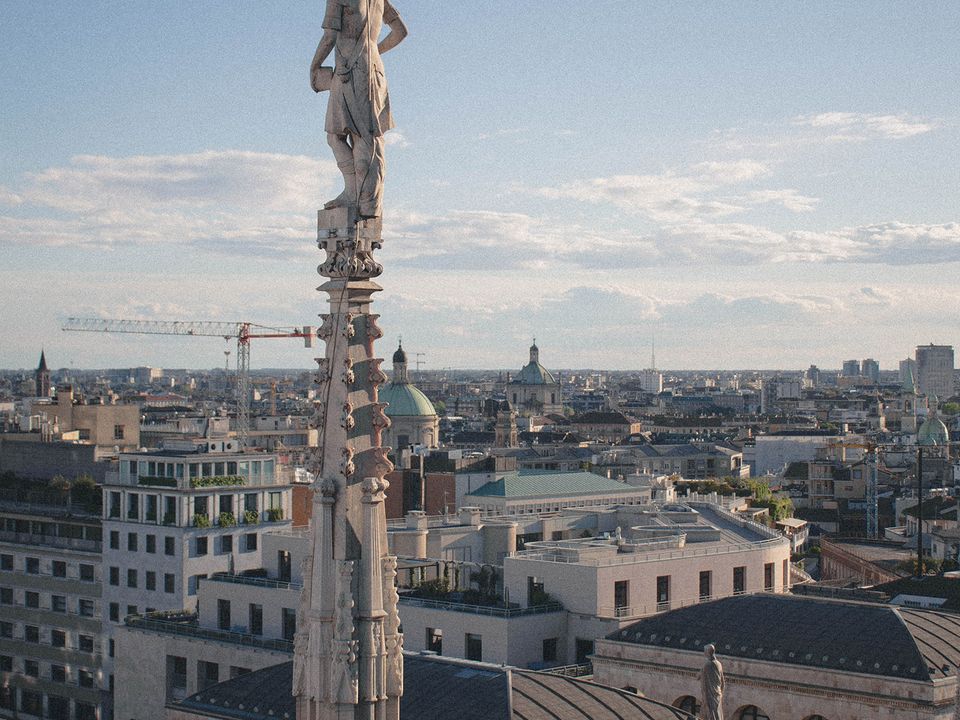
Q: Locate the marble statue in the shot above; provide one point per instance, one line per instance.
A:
(711, 686)
(358, 111)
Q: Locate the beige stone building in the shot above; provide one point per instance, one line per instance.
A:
(534, 390)
(786, 657)
(106, 426)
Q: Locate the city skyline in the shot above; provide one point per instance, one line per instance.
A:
(769, 187)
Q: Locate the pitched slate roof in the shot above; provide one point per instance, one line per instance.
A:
(540, 483)
(813, 632)
(438, 688)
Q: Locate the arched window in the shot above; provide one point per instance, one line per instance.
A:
(752, 712)
(688, 703)
(816, 717)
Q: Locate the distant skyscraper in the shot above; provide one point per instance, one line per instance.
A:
(42, 377)
(870, 369)
(851, 368)
(935, 370)
(813, 376)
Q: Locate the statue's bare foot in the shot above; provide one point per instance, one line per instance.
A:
(341, 200)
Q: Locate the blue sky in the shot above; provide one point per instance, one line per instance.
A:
(765, 184)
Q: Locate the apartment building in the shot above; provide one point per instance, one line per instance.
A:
(174, 517)
(50, 604)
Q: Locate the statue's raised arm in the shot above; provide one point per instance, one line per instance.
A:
(358, 111)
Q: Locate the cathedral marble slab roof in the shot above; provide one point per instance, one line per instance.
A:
(834, 635)
(543, 483)
(438, 688)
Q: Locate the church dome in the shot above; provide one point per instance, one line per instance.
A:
(933, 432)
(405, 400)
(534, 373)
(399, 356)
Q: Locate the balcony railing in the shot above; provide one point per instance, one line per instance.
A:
(53, 541)
(195, 631)
(255, 581)
(508, 612)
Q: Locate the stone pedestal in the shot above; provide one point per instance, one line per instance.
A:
(348, 661)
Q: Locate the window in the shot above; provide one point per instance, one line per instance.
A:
(706, 581)
(689, 704)
(85, 678)
(132, 542)
(31, 668)
(114, 505)
(131, 578)
(223, 614)
(58, 708)
(621, 597)
(663, 592)
(283, 565)
(255, 625)
(85, 607)
(86, 572)
(85, 643)
(473, 645)
(208, 673)
(168, 582)
(132, 610)
(58, 673)
(752, 712)
(31, 703)
(58, 638)
(85, 711)
(6, 562)
(168, 546)
(250, 542)
(111, 647)
(6, 663)
(740, 580)
(32, 565)
(435, 640)
(194, 583)
(226, 544)
(118, 432)
(58, 603)
(201, 546)
(150, 580)
(58, 568)
(115, 612)
(31, 633)
(114, 539)
(114, 575)
(768, 577)
(151, 544)
(584, 648)
(550, 650)
(6, 596)
(6, 629)
(176, 672)
(289, 622)
(31, 599)
(133, 506)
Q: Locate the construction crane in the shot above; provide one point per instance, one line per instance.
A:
(244, 332)
(872, 494)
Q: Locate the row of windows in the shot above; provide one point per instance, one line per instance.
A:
(149, 543)
(248, 543)
(208, 674)
(149, 579)
(114, 613)
(58, 603)
(32, 703)
(57, 638)
(57, 568)
(288, 619)
(163, 508)
(54, 672)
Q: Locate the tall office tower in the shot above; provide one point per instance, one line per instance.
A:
(870, 369)
(851, 368)
(813, 376)
(935, 370)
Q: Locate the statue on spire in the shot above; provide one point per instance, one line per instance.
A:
(358, 111)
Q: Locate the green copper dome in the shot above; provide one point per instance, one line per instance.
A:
(405, 400)
(933, 432)
(533, 373)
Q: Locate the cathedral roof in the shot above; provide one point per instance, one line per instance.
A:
(405, 400)
(441, 688)
(817, 633)
(548, 483)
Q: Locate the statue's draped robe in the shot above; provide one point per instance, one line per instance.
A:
(711, 691)
(359, 103)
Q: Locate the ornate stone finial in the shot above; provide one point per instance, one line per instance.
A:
(711, 686)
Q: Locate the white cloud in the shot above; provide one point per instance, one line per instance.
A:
(859, 127)
(396, 139)
(9, 198)
(730, 172)
(789, 198)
